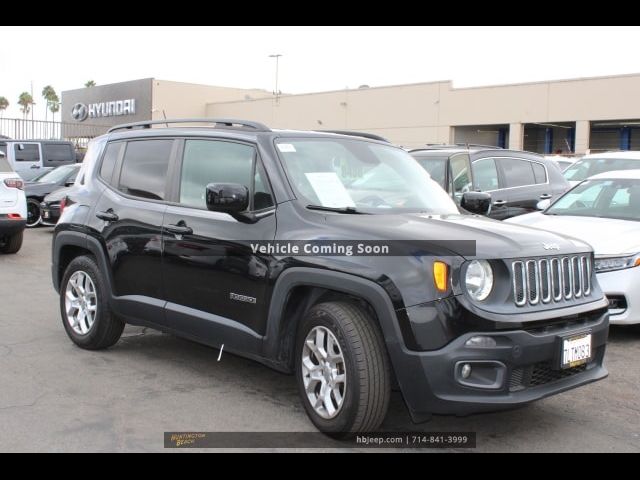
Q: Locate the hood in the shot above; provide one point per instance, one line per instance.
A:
(494, 239)
(57, 195)
(39, 189)
(609, 237)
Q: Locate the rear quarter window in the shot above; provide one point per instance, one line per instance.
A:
(60, 152)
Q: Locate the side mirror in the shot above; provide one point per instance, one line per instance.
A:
(476, 202)
(543, 204)
(70, 183)
(227, 197)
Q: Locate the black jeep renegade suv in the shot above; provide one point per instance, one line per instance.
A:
(176, 228)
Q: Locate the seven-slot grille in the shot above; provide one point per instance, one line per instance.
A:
(548, 280)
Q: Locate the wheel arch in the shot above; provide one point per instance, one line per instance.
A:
(299, 288)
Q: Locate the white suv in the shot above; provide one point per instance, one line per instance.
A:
(13, 208)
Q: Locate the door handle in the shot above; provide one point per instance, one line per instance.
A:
(107, 216)
(499, 203)
(545, 196)
(180, 229)
(35, 166)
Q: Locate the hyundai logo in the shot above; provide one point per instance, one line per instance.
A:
(79, 112)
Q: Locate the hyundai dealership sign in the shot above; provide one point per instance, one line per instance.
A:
(115, 108)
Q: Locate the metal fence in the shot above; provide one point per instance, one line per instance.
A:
(24, 129)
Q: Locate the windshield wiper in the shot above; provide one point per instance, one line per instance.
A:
(348, 210)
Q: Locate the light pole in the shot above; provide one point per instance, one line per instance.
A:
(277, 57)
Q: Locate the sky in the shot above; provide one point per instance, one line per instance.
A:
(313, 58)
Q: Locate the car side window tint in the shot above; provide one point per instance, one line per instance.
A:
(144, 168)
(212, 161)
(539, 172)
(485, 174)
(26, 152)
(109, 160)
(460, 177)
(517, 173)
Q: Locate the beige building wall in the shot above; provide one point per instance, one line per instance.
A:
(183, 100)
(412, 115)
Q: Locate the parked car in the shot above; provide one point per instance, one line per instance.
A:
(561, 161)
(591, 165)
(30, 158)
(52, 205)
(604, 211)
(516, 180)
(43, 185)
(13, 208)
(454, 319)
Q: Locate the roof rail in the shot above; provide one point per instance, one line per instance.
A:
(351, 133)
(217, 123)
(439, 146)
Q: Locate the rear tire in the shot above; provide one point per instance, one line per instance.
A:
(34, 214)
(84, 306)
(13, 244)
(358, 377)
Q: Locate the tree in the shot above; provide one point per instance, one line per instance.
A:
(25, 100)
(4, 104)
(48, 93)
(54, 105)
(90, 84)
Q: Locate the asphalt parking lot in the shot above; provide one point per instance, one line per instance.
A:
(57, 397)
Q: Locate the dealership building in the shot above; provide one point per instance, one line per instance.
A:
(567, 116)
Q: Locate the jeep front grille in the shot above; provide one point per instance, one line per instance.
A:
(549, 280)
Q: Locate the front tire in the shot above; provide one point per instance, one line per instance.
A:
(84, 306)
(34, 214)
(342, 369)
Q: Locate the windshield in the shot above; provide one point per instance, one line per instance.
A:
(368, 176)
(601, 198)
(588, 167)
(56, 175)
(436, 166)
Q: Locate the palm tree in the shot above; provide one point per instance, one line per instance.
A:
(4, 104)
(54, 105)
(90, 84)
(48, 93)
(25, 100)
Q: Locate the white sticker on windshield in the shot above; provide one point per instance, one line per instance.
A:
(286, 148)
(330, 190)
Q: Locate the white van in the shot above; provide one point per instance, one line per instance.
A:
(30, 158)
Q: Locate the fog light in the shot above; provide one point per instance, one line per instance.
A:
(465, 371)
(480, 342)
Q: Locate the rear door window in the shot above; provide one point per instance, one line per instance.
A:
(57, 153)
(144, 168)
(517, 173)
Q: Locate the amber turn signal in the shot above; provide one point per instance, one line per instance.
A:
(440, 275)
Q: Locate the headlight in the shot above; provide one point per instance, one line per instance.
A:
(609, 264)
(479, 279)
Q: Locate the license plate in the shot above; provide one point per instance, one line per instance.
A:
(576, 350)
(45, 214)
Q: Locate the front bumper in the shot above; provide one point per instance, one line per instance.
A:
(523, 367)
(623, 285)
(9, 228)
(50, 215)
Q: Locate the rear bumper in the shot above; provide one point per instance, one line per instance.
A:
(9, 228)
(521, 368)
